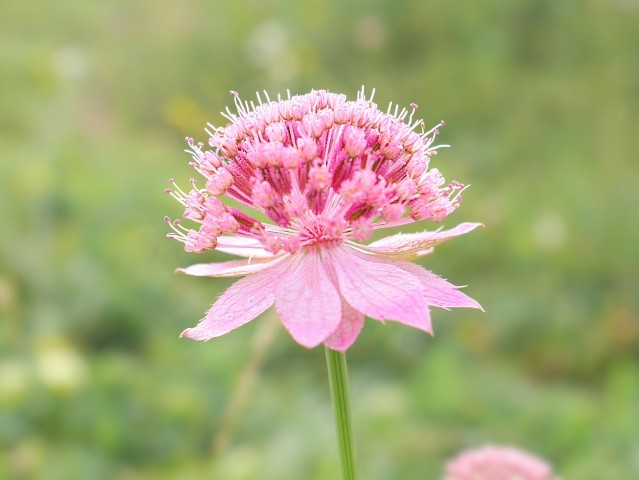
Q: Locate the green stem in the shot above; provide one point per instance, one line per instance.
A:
(338, 380)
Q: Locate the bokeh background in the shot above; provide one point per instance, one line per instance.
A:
(541, 100)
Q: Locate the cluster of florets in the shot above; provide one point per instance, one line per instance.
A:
(494, 462)
(320, 167)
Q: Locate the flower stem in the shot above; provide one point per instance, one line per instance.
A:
(338, 380)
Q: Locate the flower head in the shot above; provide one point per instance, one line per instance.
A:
(498, 463)
(318, 174)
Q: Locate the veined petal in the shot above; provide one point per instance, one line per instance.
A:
(307, 301)
(348, 329)
(438, 292)
(242, 247)
(239, 304)
(416, 244)
(231, 268)
(380, 290)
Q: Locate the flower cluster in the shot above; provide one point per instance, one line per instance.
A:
(320, 174)
(498, 463)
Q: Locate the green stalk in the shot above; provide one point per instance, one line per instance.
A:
(338, 380)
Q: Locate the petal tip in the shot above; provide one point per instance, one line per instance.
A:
(188, 333)
(428, 329)
(337, 349)
(470, 226)
(474, 304)
(304, 342)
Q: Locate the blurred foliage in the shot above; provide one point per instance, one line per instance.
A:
(541, 99)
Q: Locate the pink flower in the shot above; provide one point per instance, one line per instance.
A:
(498, 463)
(326, 172)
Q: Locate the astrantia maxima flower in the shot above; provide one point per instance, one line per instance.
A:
(317, 175)
(498, 463)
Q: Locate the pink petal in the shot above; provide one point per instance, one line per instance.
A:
(242, 247)
(307, 301)
(231, 268)
(239, 304)
(380, 290)
(348, 329)
(415, 244)
(438, 292)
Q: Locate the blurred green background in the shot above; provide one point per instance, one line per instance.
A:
(541, 100)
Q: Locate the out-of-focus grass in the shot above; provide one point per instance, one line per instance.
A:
(541, 101)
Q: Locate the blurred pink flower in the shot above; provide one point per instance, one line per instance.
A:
(326, 172)
(498, 463)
